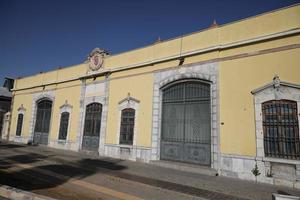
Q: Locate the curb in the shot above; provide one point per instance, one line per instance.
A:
(17, 194)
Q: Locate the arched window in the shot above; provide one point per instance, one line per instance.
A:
(19, 124)
(64, 123)
(281, 129)
(127, 126)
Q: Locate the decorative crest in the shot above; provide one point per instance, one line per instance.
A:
(21, 108)
(128, 96)
(66, 105)
(95, 58)
(276, 82)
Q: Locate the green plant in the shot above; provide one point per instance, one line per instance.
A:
(255, 172)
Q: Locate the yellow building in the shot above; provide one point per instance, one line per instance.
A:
(227, 97)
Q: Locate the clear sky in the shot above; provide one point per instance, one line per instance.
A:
(41, 35)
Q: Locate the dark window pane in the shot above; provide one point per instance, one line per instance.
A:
(63, 129)
(19, 124)
(92, 124)
(127, 126)
(280, 126)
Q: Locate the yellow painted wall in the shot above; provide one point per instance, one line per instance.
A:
(140, 88)
(237, 79)
(67, 91)
(26, 100)
(71, 93)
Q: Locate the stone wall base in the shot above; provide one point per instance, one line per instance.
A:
(276, 171)
(64, 144)
(19, 139)
(135, 153)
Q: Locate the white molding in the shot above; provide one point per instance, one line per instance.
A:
(204, 72)
(87, 101)
(275, 90)
(128, 102)
(21, 110)
(36, 97)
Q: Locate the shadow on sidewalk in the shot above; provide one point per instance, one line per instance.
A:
(21, 171)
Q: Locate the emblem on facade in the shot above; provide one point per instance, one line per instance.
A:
(276, 82)
(95, 58)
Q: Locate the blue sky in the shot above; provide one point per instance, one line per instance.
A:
(41, 35)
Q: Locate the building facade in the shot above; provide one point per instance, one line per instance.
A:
(5, 105)
(227, 97)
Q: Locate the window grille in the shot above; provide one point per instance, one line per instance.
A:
(64, 122)
(281, 129)
(19, 124)
(127, 126)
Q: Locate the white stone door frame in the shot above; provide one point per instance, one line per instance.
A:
(84, 101)
(36, 97)
(205, 72)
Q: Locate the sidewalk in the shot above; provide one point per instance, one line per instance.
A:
(198, 185)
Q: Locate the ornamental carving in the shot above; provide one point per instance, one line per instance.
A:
(95, 59)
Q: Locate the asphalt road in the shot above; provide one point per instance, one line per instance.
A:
(72, 175)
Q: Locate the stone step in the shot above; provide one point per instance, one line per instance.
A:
(193, 168)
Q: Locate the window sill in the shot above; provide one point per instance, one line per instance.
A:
(126, 146)
(281, 160)
(61, 141)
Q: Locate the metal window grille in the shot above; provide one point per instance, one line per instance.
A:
(19, 124)
(64, 122)
(281, 129)
(127, 126)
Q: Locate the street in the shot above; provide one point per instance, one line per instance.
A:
(74, 175)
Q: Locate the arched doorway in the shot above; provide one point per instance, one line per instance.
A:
(42, 122)
(92, 126)
(186, 122)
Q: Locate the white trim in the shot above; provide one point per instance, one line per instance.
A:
(272, 91)
(206, 72)
(133, 103)
(87, 101)
(204, 50)
(21, 110)
(35, 98)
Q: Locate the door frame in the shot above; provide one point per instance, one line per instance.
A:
(203, 72)
(81, 146)
(36, 97)
(183, 81)
(50, 121)
(87, 101)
